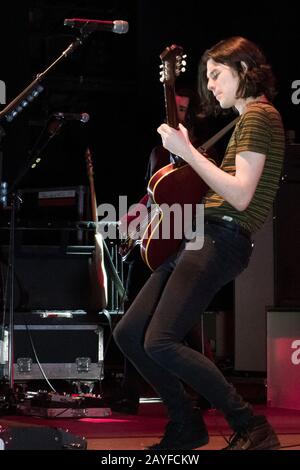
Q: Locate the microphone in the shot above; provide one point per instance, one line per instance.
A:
(82, 117)
(116, 26)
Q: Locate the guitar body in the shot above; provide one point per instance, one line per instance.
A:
(128, 248)
(170, 185)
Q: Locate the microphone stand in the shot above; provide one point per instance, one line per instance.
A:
(9, 113)
(21, 101)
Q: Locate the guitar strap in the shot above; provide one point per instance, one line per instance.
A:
(210, 142)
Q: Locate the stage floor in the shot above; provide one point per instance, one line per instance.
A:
(137, 432)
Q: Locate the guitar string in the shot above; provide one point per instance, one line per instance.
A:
(141, 225)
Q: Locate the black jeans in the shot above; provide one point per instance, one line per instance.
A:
(170, 303)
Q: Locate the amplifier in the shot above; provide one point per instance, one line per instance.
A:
(52, 205)
(49, 216)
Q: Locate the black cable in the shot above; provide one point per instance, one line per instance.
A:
(36, 356)
(111, 329)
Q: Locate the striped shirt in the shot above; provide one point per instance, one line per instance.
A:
(259, 130)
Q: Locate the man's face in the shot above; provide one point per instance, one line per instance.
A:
(182, 103)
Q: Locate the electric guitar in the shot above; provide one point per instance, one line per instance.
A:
(101, 257)
(97, 267)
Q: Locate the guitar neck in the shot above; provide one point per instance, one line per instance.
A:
(172, 116)
(172, 65)
(88, 158)
(170, 105)
(93, 199)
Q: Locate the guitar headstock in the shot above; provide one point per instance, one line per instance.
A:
(173, 64)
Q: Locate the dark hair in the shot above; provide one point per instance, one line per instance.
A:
(255, 79)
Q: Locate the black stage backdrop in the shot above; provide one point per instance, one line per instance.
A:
(115, 79)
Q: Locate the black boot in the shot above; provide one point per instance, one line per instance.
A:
(125, 405)
(188, 434)
(258, 435)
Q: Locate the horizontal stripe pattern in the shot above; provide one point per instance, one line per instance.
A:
(259, 130)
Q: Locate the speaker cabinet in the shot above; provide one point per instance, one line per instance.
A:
(254, 290)
(48, 278)
(287, 245)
